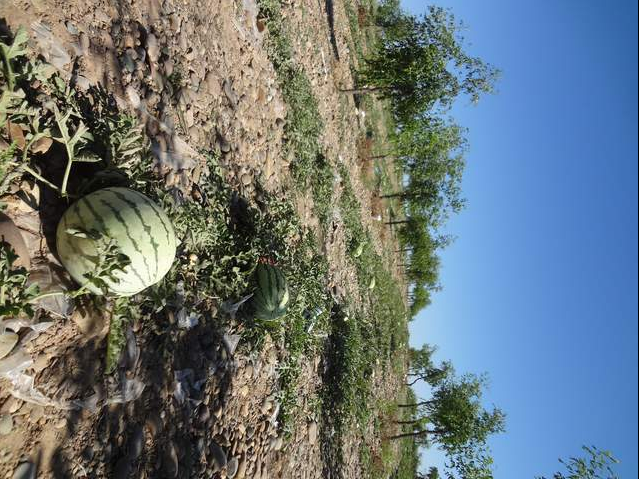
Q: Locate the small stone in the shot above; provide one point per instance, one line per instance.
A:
(89, 322)
(122, 468)
(217, 412)
(152, 47)
(241, 469)
(36, 413)
(232, 467)
(136, 443)
(26, 470)
(188, 118)
(128, 63)
(312, 433)
(246, 179)
(244, 390)
(71, 28)
(84, 42)
(230, 94)
(276, 443)
(204, 414)
(170, 461)
(267, 405)
(7, 343)
(175, 22)
(154, 424)
(168, 67)
(218, 456)
(6, 424)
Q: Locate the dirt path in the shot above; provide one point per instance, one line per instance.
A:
(198, 76)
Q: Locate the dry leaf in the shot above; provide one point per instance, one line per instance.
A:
(15, 133)
(42, 145)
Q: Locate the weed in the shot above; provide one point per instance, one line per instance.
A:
(303, 125)
(15, 295)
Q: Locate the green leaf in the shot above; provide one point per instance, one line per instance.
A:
(18, 47)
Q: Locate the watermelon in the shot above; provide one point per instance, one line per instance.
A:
(271, 296)
(139, 227)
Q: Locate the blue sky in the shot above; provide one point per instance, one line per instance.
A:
(540, 288)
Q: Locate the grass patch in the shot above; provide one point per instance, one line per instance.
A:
(304, 126)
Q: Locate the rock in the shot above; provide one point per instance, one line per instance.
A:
(267, 405)
(230, 94)
(154, 424)
(136, 443)
(203, 414)
(183, 42)
(88, 321)
(7, 343)
(232, 467)
(188, 118)
(122, 468)
(127, 61)
(218, 456)
(6, 424)
(312, 433)
(71, 28)
(246, 179)
(276, 444)
(152, 47)
(11, 234)
(175, 22)
(84, 42)
(170, 462)
(26, 470)
(168, 67)
(241, 469)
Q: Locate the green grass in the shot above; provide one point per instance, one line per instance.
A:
(303, 127)
(363, 340)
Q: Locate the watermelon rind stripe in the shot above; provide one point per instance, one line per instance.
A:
(135, 244)
(170, 236)
(146, 227)
(121, 277)
(106, 231)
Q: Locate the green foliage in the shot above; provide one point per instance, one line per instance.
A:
(421, 64)
(422, 367)
(15, 292)
(456, 413)
(124, 311)
(596, 464)
(110, 260)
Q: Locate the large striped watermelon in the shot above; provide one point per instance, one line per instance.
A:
(138, 226)
(271, 295)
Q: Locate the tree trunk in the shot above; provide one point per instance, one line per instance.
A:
(397, 222)
(407, 422)
(363, 90)
(423, 432)
(422, 403)
(394, 195)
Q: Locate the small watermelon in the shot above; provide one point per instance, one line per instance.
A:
(271, 295)
(139, 227)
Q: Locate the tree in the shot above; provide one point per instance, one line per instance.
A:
(472, 461)
(432, 155)
(433, 473)
(421, 64)
(422, 367)
(455, 416)
(596, 465)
